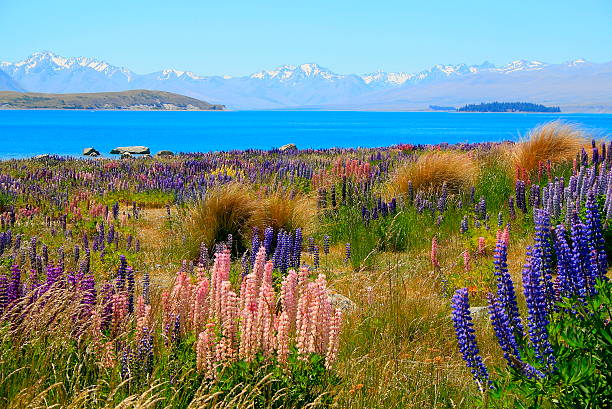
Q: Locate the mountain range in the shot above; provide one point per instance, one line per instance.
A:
(578, 85)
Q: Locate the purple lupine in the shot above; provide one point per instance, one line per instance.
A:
(543, 243)
(443, 198)
(347, 252)
(466, 340)
(568, 270)
(129, 271)
(121, 273)
(595, 237)
(326, 244)
(297, 248)
(315, 257)
(268, 238)
(106, 295)
(507, 340)
(537, 308)
(4, 292)
(14, 288)
(463, 228)
(519, 191)
(511, 210)
(500, 219)
(506, 295)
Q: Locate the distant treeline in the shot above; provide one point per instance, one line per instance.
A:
(507, 107)
(439, 108)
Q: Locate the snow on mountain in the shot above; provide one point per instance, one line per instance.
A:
(7, 83)
(313, 85)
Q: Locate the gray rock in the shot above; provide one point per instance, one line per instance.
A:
(90, 152)
(134, 150)
(290, 147)
(161, 154)
(341, 302)
(479, 312)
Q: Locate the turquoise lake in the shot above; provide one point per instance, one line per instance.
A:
(28, 133)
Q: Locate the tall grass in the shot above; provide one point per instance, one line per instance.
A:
(432, 169)
(556, 142)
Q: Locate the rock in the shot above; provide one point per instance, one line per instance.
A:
(43, 156)
(90, 152)
(134, 150)
(290, 147)
(162, 154)
(479, 312)
(341, 302)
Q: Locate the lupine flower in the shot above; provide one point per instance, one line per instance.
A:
(538, 308)
(462, 321)
(347, 252)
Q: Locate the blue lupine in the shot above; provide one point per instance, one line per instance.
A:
(519, 190)
(543, 243)
(537, 308)
(268, 238)
(463, 228)
(506, 294)
(594, 231)
(466, 340)
(121, 273)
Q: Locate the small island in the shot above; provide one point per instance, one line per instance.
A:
(136, 100)
(507, 107)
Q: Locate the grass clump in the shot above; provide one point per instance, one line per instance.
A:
(228, 209)
(286, 211)
(431, 170)
(555, 141)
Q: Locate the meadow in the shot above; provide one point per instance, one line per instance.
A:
(410, 276)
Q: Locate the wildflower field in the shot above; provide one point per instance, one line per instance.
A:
(438, 276)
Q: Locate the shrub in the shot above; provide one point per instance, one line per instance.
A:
(432, 170)
(556, 142)
(225, 210)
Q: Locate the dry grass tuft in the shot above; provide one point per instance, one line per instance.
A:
(228, 209)
(555, 141)
(282, 210)
(432, 169)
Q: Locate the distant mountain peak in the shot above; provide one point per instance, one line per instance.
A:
(309, 84)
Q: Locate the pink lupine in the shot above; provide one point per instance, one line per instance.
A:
(282, 337)
(289, 294)
(204, 355)
(481, 246)
(120, 309)
(334, 339)
(200, 305)
(434, 253)
(466, 260)
(229, 313)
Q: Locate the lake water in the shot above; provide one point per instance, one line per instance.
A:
(29, 133)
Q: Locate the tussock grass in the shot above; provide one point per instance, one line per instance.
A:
(283, 210)
(228, 209)
(432, 169)
(555, 141)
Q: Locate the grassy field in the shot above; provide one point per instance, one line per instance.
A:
(261, 279)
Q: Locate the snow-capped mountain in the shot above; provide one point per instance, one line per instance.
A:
(572, 83)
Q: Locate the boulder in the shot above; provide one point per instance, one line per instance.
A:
(134, 150)
(341, 302)
(290, 147)
(162, 154)
(43, 156)
(90, 152)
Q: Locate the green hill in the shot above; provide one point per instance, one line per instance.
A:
(129, 100)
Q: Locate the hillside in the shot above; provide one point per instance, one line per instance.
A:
(129, 100)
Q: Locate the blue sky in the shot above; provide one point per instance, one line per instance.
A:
(239, 37)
